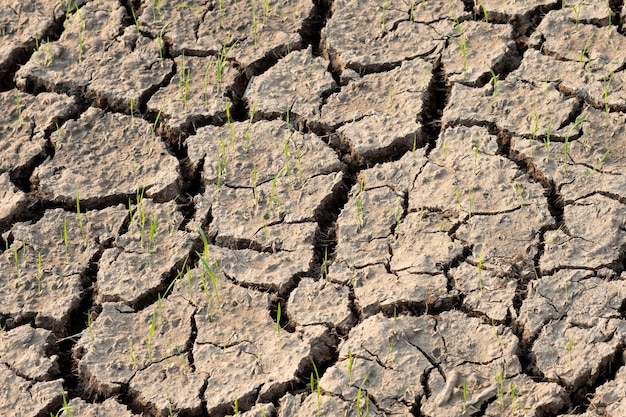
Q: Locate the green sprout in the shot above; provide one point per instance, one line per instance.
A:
(315, 385)
(479, 267)
(65, 239)
(350, 364)
(464, 395)
(81, 225)
(151, 335)
(278, 314)
(584, 54)
(569, 350)
(39, 273)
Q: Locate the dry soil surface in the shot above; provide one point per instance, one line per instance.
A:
(312, 208)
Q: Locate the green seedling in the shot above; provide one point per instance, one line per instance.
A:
(209, 271)
(584, 54)
(81, 35)
(520, 193)
(67, 408)
(606, 84)
(516, 402)
(255, 24)
(601, 161)
(391, 110)
(359, 411)
(154, 221)
(412, 12)
(183, 81)
(500, 386)
(494, 82)
(535, 122)
(160, 41)
(578, 121)
(133, 356)
(546, 140)
(359, 202)
(482, 6)
(16, 260)
(249, 128)
(131, 105)
(325, 265)
(155, 125)
(384, 14)
(236, 406)
(272, 198)
(464, 395)
(221, 60)
(151, 335)
(205, 242)
(286, 153)
(156, 10)
(576, 9)
(479, 268)
(315, 386)
(134, 14)
(18, 103)
(65, 239)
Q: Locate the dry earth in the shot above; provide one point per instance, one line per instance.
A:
(312, 208)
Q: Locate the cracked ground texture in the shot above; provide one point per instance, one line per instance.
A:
(312, 208)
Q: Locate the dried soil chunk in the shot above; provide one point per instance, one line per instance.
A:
(485, 291)
(550, 297)
(472, 353)
(30, 398)
(169, 385)
(327, 405)
(263, 177)
(381, 113)
(25, 350)
(521, 395)
(272, 271)
(602, 49)
(520, 13)
(121, 341)
(108, 156)
(24, 125)
(594, 237)
(41, 271)
(246, 355)
(385, 358)
(93, 57)
(141, 261)
(365, 226)
(364, 38)
(518, 107)
(319, 302)
(248, 32)
(608, 399)
(197, 93)
(295, 85)
(375, 289)
(479, 47)
(602, 87)
(12, 199)
(22, 23)
(108, 408)
(576, 349)
(421, 247)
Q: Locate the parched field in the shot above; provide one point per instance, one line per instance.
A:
(312, 208)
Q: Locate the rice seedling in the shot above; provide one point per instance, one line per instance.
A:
(494, 84)
(65, 239)
(134, 14)
(535, 122)
(546, 140)
(315, 387)
(461, 43)
(601, 161)
(412, 12)
(516, 402)
(154, 126)
(482, 6)
(520, 193)
(18, 103)
(359, 411)
(286, 153)
(606, 84)
(390, 101)
(576, 9)
(81, 35)
(79, 216)
(384, 13)
(578, 121)
(183, 81)
(156, 10)
(278, 317)
(255, 24)
(500, 386)
(133, 356)
(236, 406)
(221, 60)
(584, 55)
(272, 197)
(249, 128)
(151, 335)
(67, 408)
(212, 277)
(325, 265)
(479, 268)
(160, 43)
(359, 201)
(16, 261)
(229, 122)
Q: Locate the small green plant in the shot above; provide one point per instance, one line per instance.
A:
(315, 387)
(133, 356)
(359, 202)
(134, 14)
(16, 261)
(160, 41)
(79, 215)
(249, 128)
(156, 10)
(461, 43)
(546, 140)
(578, 121)
(212, 277)
(584, 54)
(236, 406)
(606, 84)
(384, 13)
(183, 81)
(151, 335)
(81, 35)
(92, 337)
(67, 408)
(479, 268)
(360, 412)
(576, 9)
(65, 239)
(325, 265)
(500, 385)
(601, 161)
(278, 317)
(272, 197)
(520, 193)
(494, 83)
